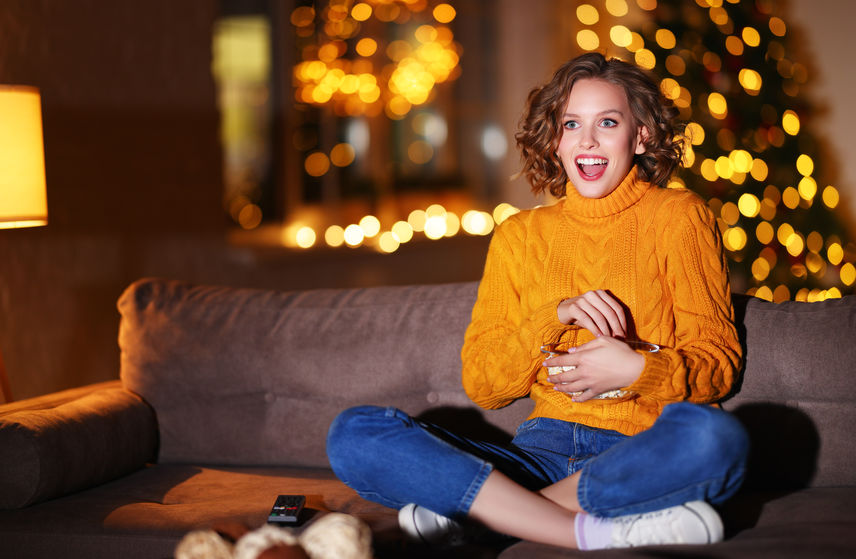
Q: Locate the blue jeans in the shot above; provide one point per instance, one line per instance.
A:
(692, 452)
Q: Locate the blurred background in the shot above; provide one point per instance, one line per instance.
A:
(297, 144)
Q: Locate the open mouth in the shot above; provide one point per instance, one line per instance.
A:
(591, 168)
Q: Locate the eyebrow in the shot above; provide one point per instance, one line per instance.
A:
(601, 113)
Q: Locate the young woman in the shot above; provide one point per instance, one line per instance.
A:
(618, 260)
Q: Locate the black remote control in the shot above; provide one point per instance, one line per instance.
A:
(286, 509)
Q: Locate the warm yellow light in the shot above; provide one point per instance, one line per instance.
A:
(734, 238)
(588, 39)
(250, 216)
(717, 105)
(708, 170)
(354, 235)
(805, 165)
(334, 236)
(503, 211)
(759, 170)
(814, 242)
(760, 269)
(587, 14)
(830, 197)
(388, 242)
(671, 88)
(807, 188)
(370, 226)
(316, 164)
(305, 237)
(361, 11)
(417, 219)
(791, 198)
(688, 159)
(815, 264)
(778, 27)
(645, 58)
(675, 65)
(342, 155)
(751, 36)
(617, 8)
(636, 42)
(453, 224)
(620, 35)
(724, 168)
(750, 80)
(403, 231)
(835, 254)
(795, 244)
(665, 38)
(444, 13)
(765, 293)
(435, 227)
(695, 133)
(781, 294)
(302, 16)
(476, 222)
(734, 45)
(784, 233)
(741, 160)
(764, 232)
(749, 204)
(848, 274)
(791, 122)
(23, 199)
(366, 46)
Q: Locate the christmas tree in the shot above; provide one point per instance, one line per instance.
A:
(729, 68)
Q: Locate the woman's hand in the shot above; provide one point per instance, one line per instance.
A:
(596, 311)
(601, 365)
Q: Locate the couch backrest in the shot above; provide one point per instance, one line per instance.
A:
(798, 391)
(244, 376)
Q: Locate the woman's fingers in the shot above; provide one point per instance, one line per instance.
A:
(598, 312)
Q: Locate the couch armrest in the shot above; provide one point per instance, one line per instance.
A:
(52, 450)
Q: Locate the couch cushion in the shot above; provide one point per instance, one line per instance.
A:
(146, 513)
(243, 376)
(52, 446)
(797, 393)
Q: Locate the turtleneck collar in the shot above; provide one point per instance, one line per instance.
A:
(627, 193)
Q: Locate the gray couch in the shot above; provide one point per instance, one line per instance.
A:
(226, 395)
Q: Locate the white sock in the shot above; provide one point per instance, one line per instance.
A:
(592, 532)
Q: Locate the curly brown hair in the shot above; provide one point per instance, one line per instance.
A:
(541, 125)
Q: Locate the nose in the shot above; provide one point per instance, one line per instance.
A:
(588, 139)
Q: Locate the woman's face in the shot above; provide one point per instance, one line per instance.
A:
(599, 137)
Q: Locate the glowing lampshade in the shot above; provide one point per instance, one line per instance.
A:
(23, 200)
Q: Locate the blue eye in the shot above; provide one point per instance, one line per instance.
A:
(570, 124)
(608, 123)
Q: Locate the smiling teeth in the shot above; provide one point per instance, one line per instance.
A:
(591, 161)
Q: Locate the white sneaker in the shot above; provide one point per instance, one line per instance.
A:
(691, 523)
(422, 525)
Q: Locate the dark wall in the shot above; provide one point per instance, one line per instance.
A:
(134, 187)
(132, 162)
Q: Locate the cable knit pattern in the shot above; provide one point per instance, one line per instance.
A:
(658, 251)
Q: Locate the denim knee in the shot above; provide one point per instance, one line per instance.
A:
(716, 439)
(350, 438)
(716, 435)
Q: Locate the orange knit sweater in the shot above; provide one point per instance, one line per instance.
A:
(657, 250)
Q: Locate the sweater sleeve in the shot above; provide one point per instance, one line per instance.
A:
(501, 353)
(704, 364)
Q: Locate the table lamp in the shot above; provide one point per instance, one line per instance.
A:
(23, 200)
